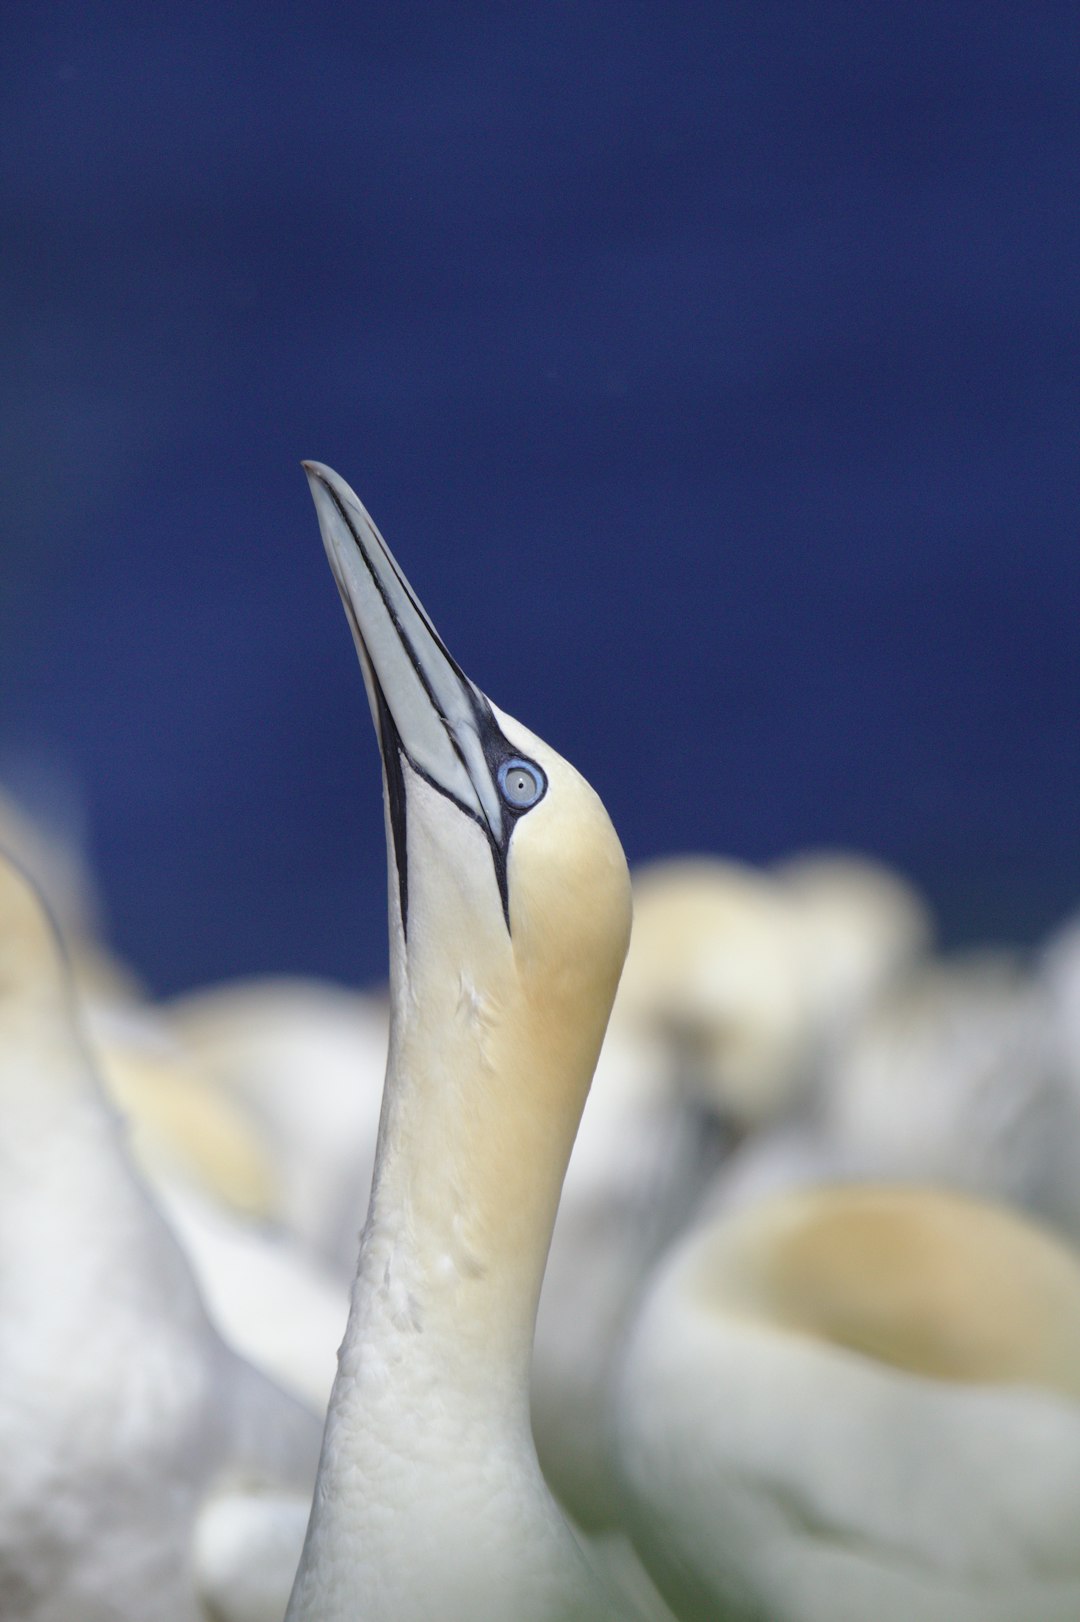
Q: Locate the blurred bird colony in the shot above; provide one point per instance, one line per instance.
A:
(872, 1149)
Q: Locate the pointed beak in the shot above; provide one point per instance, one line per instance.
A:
(425, 708)
(440, 718)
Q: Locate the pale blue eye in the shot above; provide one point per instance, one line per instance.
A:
(522, 783)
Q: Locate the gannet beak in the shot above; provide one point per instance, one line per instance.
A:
(426, 710)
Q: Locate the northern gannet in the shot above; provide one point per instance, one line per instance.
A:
(859, 1403)
(273, 1300)
(509, 905)
(715, 994)
(130, 1437)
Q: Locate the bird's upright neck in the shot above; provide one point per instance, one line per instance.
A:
(479, 1116)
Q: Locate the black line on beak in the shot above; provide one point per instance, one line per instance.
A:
(481, 711)
(392, 750)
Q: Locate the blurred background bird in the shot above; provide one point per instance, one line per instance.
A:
(131, 1433)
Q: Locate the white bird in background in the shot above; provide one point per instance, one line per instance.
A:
(214, 1177)
(952, 1077)
(738, 984)
(209, 1154)
(739, 979)
(509, 919)
(864, 929)
(1059, 978)
(714, 995)
(269, 1297)
(306, 1062)
(182, 1127)
(132, 1442)
(859, 1403)
(704, 1046)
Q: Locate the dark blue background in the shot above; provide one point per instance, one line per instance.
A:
(711, 369)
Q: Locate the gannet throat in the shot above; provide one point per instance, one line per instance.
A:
(436, 719)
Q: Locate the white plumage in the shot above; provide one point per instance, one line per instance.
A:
(122, 1414)
(859, 1403)
(509, 918)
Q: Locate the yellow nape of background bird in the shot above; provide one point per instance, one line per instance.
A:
(181, 1123)
(859, 1402)
(738, 979)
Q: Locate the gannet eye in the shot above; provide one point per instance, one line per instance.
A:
(522, 783)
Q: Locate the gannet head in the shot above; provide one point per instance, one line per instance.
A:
(509, 892)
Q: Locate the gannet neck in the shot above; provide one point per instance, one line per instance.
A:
(494, 1038)
(509, 911)
(486, 1079)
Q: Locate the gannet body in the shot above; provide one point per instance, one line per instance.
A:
(122, 1415)
(509, 905)
(858, 1403)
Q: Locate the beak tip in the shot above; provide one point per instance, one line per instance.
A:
(319, 476)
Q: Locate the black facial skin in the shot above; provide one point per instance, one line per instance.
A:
(497, 751)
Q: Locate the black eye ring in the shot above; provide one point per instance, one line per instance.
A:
(522, 783)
